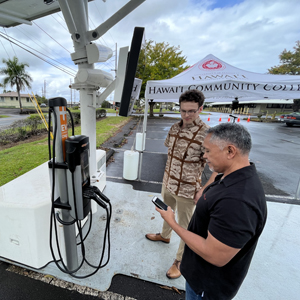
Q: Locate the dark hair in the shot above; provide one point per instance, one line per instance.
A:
(232, 133)
(192, 96)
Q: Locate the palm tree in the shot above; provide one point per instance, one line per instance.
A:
(15, 75)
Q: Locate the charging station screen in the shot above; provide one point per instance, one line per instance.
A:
(84, 162)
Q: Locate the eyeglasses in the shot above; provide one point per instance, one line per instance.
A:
(189, 112)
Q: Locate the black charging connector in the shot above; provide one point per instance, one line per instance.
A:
(89, 193)
(100, 194)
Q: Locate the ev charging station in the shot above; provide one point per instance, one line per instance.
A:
(76, 169)
(71, 192)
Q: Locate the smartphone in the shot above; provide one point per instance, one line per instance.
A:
(160, 204)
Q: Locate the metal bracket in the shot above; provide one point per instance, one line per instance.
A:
(59, 204)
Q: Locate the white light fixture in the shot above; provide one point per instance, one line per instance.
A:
(98, 53)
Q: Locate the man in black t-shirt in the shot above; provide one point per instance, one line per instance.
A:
(228, 220)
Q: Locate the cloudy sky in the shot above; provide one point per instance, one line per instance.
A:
(247, 34)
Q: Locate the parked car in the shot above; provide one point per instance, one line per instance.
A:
(43, 105)
(290, 119)
(176, 108)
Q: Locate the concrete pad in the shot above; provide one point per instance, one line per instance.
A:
(274, 272)
(131, 253)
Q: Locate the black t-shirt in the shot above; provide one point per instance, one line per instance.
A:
(234, 211)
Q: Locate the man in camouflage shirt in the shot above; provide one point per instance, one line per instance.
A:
(181, 187)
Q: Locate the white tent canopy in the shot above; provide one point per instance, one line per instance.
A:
(220, 81)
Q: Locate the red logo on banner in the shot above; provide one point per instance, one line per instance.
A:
(213, 65)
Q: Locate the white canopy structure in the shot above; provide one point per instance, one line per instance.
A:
(220, 81)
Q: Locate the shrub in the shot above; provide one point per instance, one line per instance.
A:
(5, 136)
(33, 125)
(33, 122)
(22, 129)
(100, 113)
(76, 118)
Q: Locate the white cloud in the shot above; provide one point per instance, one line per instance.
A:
(248, 34)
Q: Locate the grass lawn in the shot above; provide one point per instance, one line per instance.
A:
(4, 116)
(17, 160)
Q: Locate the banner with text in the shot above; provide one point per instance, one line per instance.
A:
(222, 82)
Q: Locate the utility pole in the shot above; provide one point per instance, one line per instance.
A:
(71, 90)
(116, 61)
(116, 65)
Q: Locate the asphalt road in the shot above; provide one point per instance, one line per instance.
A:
(275, 152)
(12, 115)
(276, 155)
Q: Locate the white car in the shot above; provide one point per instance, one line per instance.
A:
(176, 108)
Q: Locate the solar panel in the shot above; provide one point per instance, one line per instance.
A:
(16, 12)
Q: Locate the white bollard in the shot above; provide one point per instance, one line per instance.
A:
(139, 141)
(130, 165)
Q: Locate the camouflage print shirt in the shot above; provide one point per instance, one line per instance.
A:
(185, 162)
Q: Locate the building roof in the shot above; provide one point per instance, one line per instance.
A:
(13, 94)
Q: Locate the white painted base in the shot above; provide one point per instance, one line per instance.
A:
(25, 205)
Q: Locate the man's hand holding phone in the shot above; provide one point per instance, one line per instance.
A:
(165, 211)
(160, 204)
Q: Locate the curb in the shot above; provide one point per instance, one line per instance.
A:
(116, 141)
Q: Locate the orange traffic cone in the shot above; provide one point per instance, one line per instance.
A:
(248, 119)
(220, 120)
(239, 119)
(208, 118)
(228, 119)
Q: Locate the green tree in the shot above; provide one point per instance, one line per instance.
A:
(105, 104)
(290, 64)
(15, 75)
(41, 99)
(158, 61)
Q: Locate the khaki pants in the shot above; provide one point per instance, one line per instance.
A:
(185, 208)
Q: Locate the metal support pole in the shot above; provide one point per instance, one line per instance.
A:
(297, 195)
(61, 181)
(88, 124)
(76, 16)
(143, 138)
